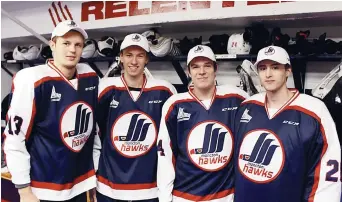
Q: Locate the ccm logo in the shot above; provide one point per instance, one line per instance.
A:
(291, 123)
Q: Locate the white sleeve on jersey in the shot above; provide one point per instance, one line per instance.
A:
(97, 148)
(173, 90)
(327, 172)
(166, 170)
(20, 119)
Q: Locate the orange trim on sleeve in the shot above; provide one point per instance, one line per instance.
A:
(324, 149)
(173, 105)
(45, 79)
(90, 74)
(158, 88)
(231, 95)
(318, 167)
(253, 102)
(110, 88)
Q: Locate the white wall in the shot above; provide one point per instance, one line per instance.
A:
(227, 74)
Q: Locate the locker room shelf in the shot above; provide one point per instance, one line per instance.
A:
(220, 57)
(299, 63)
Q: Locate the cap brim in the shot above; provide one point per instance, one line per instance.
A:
(280, 62)
(126, 46)
(205, 56)
(78, 29)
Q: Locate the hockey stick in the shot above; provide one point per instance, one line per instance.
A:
(21, 24)
(325, 85)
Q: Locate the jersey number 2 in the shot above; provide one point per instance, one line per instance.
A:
(333, 171)
(18, 122)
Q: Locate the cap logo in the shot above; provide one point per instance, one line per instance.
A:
(136, 38)
(198, 49)
(269, 51)
(72, 24)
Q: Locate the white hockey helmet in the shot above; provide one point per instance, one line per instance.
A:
(162, 48)
(24, 53)
(90, 49)
(105, 46)
(237, 45)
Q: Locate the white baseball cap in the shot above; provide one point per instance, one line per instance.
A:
(274, 53)
(135, 40)
(64, 27)
(200, 51)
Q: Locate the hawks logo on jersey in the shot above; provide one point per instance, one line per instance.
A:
(133, 134)
(76, 125)
(261, 156)
(210, 145)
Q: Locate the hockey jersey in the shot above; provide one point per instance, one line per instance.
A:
(333, 101)
(50, 131)
(195, 146)
(293, 155)
(129, 128)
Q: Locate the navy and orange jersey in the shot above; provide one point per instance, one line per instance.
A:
(195, 147)
(50, 131)
(129, 127)
(293, 155)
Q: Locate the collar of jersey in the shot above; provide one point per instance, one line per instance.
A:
(281, 109)
(127, 88)
(190, 89)
(51, 64)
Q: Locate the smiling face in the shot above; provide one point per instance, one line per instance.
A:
(133, 59)
(67, 49)
(202, 72)
(273, 75)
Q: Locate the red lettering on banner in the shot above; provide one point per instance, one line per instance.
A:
(115, 9)
(249, 3)
(228, 4)
(199, 4)
(113, 6)
(183, 5)
(86, 10)
(158, 7)
(134, 10)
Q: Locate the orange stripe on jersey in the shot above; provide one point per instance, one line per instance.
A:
(126, 186)
(253, 102)
(158, 88)
(305, 111)
(173, 105)
(33, 114)
(325, 146)
(318, 167)
(87, 75)
(45, 79)
(60, 187)
(110, 88)
(230, 95)
(208, 197)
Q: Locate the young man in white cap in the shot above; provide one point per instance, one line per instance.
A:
(50, 125)
(195, 141)
(129, 115)
(287, 148)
